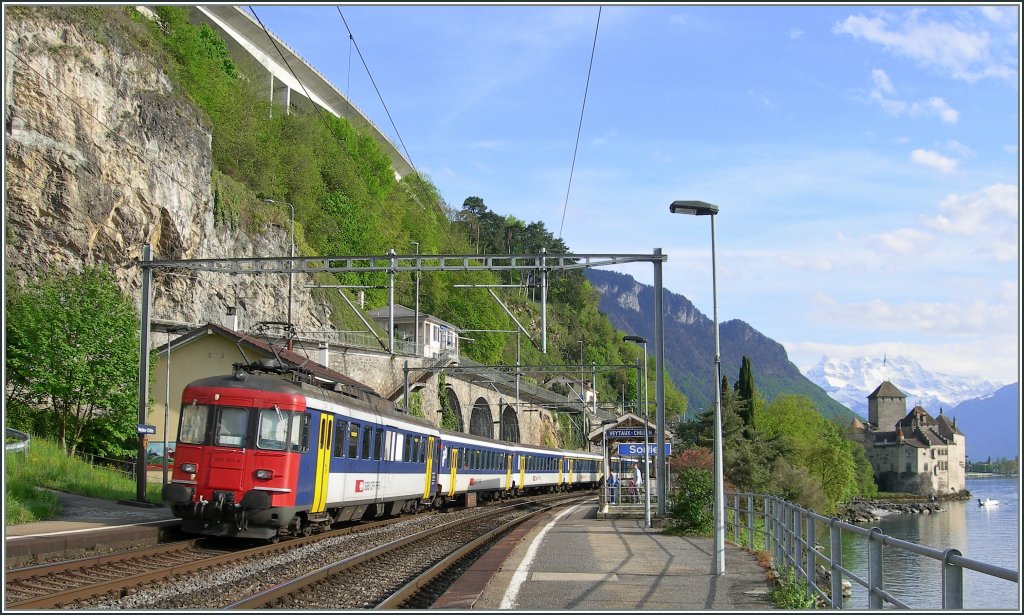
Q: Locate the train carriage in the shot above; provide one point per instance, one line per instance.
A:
(259, 456)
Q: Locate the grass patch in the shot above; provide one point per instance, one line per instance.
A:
(46, 465)
(789, 594)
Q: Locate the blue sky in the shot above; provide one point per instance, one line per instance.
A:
(865, 158)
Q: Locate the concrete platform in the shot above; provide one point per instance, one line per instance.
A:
(572, 560)
(87, 525)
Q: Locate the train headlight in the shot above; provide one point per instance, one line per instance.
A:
(189, 468)
(264, 474)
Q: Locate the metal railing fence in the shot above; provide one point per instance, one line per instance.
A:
(788, 533)
(16, 441)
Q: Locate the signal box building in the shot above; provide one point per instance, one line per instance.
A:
(911, 451)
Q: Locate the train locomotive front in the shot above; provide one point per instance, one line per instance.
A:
(237, 464)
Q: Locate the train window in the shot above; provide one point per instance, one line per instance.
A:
(193, 424)
(407, 448)
(353, 440)
(300, 433)
(272, 434)
(423, 451)
(367, 441)
(339, 438)
(378, 444)
(232, 427)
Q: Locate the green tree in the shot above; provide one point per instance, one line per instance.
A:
(72, 361)
(812, 442)
(746, 392)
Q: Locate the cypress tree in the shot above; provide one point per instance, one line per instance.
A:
(746, 392)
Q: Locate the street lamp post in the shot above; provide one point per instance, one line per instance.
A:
(291, 254)
(700, 208)
(647, 447)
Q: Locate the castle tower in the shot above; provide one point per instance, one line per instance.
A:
(886, 406)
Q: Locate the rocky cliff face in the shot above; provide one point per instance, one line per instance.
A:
(104, 156)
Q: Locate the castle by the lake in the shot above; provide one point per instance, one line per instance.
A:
(911, 451)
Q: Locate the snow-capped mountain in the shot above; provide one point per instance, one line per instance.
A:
(851, 381)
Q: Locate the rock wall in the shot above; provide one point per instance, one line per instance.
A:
(103, 155)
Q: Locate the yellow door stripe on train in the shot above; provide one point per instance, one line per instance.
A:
(561, 464)
(323, 463)
(455, 466)
(430, 467)
(508, 473)
(522, 472)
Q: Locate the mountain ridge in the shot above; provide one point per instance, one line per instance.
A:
(850, 381)
(991, 424)
(689, 345)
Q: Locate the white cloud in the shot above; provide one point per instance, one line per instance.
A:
(893, 106)
(796, 33)
(882, 81)
(1011, 149)
(961, 149)
(805, 262)
(959, 50)
(889, 105)
(996, 14)
(958, 319)
(934, 160)
(903, 241)
(947, 113)
(989, 217)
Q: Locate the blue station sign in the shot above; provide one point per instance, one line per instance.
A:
(146, 429)
(636, 449)
(630, 432)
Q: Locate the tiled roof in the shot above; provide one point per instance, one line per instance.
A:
(290, 358)
(886, 389)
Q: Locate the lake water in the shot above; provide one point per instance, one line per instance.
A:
(987, 534)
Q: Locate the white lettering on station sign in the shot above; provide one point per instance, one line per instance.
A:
(632, 432)
(636, 449)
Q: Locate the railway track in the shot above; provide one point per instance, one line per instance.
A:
(402, 555)
(399, 570)
(76, 583)
(48, 585)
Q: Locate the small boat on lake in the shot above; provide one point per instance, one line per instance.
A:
(987, 502)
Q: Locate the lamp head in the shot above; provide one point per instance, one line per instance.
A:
(693, 208)
(635, 338)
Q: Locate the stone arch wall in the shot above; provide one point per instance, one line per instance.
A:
(481, 422)
(456, 408)
(508, 430)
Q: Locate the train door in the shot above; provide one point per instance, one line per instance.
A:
(304, 431)
(430, 468)
(453, 462)
(324, 438)
(522, 472)
(508, 471)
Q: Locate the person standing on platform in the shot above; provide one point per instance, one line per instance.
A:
(613, 483)
(638, 479)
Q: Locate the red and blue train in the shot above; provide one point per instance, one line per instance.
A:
(262, 457)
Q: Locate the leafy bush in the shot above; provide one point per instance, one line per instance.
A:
(689, 504)
(789, 594)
